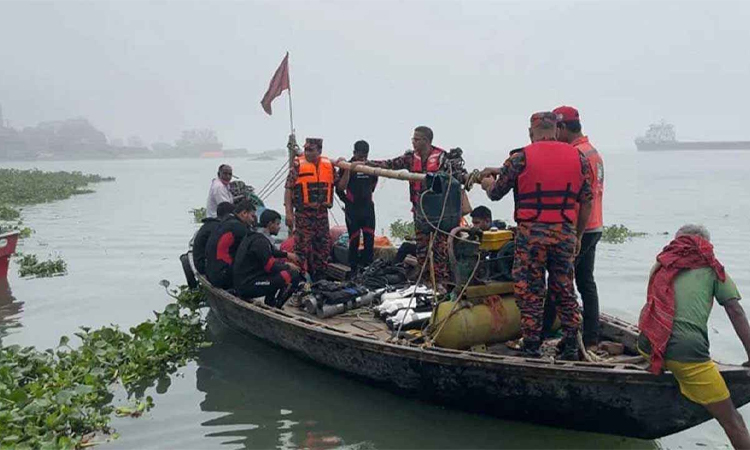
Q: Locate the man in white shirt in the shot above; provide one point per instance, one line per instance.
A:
(219, 191)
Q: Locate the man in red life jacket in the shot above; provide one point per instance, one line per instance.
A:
(552, 191)
(308, 196)
(569, 131)
(427, 158)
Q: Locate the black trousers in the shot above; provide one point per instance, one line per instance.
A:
(360, 223)
(586, 287)
(269, 286)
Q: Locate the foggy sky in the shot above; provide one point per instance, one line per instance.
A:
(474, 71)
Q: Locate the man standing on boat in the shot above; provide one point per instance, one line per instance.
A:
(427, 158)
(674, 324)
(569, 130)
(308, 196)
(553, 197)
(223, 243)
(219, 191)
(355, 190)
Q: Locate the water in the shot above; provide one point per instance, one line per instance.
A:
(241, 393)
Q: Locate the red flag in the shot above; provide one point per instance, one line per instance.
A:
(279, 82)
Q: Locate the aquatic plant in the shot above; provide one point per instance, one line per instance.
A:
(62, 398)
(401, 229)
(198, 214)
(29, 265)
(8, 213)
(618, 234)
(24, 232)
(29, 187)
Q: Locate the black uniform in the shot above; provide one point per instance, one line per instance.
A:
(199, 243)
(258, 272)
(220, 250)
(360, 217)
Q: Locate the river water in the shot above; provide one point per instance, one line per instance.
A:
(242, 393)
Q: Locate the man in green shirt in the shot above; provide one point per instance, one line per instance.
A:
(687, 354)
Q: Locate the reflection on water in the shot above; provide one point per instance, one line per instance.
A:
(10, 310)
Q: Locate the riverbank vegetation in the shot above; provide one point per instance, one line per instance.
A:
(62, 398)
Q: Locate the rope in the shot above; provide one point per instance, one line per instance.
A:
(273, 178)
(281, 181)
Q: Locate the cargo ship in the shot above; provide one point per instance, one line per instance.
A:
(662, 136)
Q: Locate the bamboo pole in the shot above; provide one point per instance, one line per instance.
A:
(379, 172)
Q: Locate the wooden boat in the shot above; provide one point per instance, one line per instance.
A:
(619, 398)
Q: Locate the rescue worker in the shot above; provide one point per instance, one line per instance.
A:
(674, 324)
(219, 191)
(427, 158)
(308, 196)
(355, 190)
(258, 269)
(569, 130)
(481, 218)
(204, 232)
(224, 241)
(553, 196)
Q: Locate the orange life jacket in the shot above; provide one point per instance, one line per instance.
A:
(547, 189)
(314, 185)
(596, 164)
(432, 166)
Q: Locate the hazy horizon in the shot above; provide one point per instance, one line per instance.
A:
(473, 71)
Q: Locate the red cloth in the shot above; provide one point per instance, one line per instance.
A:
(279, 82)
(566, 113)
(684, 252)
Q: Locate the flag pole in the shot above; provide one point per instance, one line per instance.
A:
(291, 117)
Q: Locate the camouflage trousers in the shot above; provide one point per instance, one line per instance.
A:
(439, 256)
(312, 239)
(546, 248)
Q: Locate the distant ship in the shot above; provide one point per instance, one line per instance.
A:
(661, 136)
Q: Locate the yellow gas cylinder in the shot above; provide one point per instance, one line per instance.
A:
(493, 240)
(492, 316)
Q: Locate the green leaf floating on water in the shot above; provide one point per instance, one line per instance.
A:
(62, 398)
(618, 234)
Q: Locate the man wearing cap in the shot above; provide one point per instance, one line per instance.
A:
(427, 158)
(308, 196)
(569, 130)
(552, 188)
(355, 190)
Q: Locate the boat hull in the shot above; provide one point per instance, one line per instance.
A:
(579, 396)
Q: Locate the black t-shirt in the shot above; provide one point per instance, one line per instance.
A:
(256, 259)
(220, 250)
(200, 241)
(358, 193)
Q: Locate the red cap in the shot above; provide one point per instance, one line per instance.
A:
(566, 113)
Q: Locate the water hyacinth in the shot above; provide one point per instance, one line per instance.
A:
(402, 230)
(29, 265)
(62, 398)
(618, 234)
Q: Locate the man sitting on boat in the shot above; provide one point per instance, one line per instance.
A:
(674, 333)
(219, 191)
(553, 202)
(308, 196)
(258, 270)
(223, 243)
(426, 158)
(481, 218)
(204, 232)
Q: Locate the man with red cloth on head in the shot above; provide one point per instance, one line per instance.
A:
(674, 332)
(569, 131)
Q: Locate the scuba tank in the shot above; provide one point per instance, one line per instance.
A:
(442, 190)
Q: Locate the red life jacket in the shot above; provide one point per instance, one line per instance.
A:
(432, 166)
(547, 189)
(596, 164)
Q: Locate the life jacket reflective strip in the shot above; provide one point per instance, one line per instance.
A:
(547, 189)
(596, 164)
(314, 183)
(432, 166)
